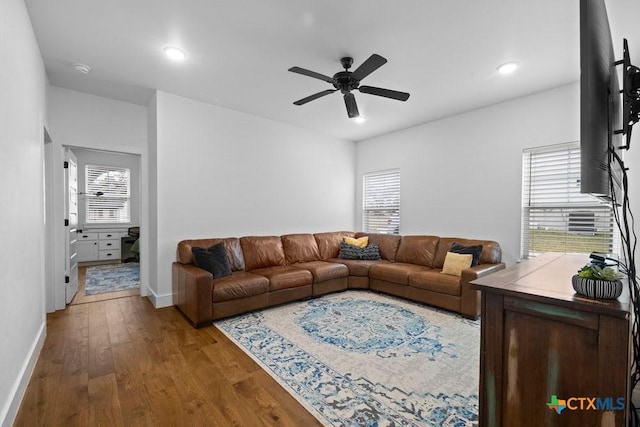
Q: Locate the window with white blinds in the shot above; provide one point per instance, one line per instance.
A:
(108, 194)
(381, 202)
(556, 217)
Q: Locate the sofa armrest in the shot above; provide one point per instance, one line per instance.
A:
(470, 298)
(193, 292)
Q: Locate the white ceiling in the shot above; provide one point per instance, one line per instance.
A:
(444, 53)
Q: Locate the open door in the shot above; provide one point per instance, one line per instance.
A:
(71, 224)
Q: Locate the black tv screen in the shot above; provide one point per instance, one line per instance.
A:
(600, 102)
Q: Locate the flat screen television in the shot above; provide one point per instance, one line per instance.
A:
(600, 104)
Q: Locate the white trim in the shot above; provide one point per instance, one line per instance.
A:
(159, 301)
(10, 410)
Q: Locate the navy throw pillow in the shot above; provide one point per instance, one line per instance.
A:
(474, 250)
(214, 259)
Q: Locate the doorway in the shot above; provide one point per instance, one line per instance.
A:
(57, 291)
(109, 214)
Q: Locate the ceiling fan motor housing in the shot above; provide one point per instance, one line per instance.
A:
(344, 82)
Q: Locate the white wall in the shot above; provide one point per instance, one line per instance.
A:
(224, 173)
(22, 218)
(78, 119)
(461, 176)
(105, 158)
(81, 120)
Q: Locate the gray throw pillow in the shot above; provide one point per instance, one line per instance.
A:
(369, 252)
(214, 259)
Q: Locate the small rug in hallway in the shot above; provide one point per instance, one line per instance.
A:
(112, 278)
(363, 359)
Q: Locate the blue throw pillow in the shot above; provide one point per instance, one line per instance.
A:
(369, 252)
(214, 259)
(474, 250)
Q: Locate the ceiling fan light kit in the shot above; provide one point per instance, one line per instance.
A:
(346, 81)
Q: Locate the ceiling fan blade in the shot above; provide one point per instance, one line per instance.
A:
(314, 96)
(311, 74)
(387, 93)
(374, 62)
(352, 107)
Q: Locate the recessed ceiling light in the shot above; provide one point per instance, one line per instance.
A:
(508, 67)
(175, 53)
(360, 119)
(83, 68)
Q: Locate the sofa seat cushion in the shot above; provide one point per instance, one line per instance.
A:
(395, 272)
(323, 271)
(284, 277)
(358, 267)
(435, 281)
(239, 284)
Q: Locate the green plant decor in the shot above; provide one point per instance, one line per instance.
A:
(592, 271)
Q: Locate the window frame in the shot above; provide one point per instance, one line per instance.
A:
(381, 215)
(114, 193)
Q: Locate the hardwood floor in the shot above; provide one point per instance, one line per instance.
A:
(122, 362)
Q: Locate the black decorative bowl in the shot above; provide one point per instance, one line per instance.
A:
(594, 288)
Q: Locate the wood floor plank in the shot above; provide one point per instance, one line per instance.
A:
(100, 356)
(134, 405)
(72, 401)
(104, 403)
(118, 332)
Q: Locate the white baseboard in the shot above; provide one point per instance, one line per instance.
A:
(11, 407)
(159, 301)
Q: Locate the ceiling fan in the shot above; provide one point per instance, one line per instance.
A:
(346, 81)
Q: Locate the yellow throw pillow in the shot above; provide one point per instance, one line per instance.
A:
(362, 242)
(454, 263)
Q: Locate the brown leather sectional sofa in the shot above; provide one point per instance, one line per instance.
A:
(271, 270)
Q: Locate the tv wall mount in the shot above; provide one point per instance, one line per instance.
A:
(630, 94)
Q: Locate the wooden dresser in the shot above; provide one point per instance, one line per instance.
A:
(539, 339)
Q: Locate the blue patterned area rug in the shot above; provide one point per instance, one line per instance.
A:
(102, 279)
(358, 358)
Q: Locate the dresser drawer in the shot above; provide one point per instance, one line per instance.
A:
(87, 236)
(108, 244)
(109, 235)
(109, 254)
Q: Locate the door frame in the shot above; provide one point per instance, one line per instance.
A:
(54, 200)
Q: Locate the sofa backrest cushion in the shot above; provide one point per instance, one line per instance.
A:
(388, 244)
(300, 248)
(329, 243)
(262, 251)
(234, 251)
(491, 251)
(417, 250)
